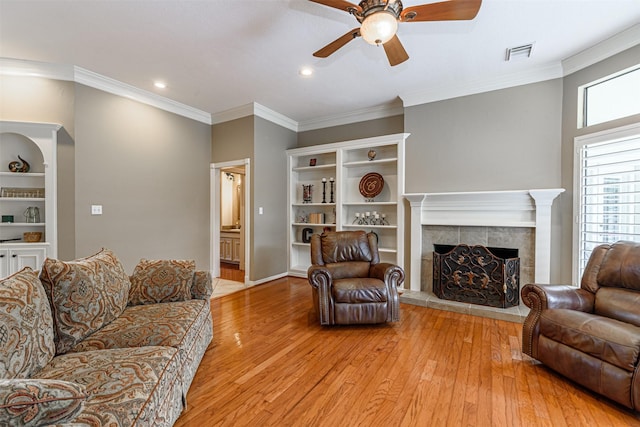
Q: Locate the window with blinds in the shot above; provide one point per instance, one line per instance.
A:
(609, 190)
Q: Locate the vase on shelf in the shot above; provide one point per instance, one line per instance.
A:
(307, 194)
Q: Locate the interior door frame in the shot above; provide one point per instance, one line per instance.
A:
(216, 169)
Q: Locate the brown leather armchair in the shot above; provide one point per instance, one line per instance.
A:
(350, 284)
(591, 334)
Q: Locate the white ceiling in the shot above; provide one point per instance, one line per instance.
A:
(218, 55)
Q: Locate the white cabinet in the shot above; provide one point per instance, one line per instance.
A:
(347, 163)
(32, 192)
(15, 257)
(230, 247)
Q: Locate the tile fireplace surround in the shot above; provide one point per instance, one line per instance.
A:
(518, 219)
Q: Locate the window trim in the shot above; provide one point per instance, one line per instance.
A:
(609, 135)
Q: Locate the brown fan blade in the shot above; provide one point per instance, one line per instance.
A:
(453, 10)
(337, 43)
(395, 51)
(340, 4)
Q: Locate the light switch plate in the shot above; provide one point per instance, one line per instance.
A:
(96, 209)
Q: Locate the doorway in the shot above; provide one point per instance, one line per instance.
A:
(230, 220)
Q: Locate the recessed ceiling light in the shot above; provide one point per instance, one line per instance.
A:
(160, 85)
(306, 71)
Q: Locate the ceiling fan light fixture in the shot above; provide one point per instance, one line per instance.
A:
(379, 27)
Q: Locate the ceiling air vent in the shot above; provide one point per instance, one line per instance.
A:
(520, 52)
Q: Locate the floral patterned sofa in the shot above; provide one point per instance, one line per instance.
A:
(85, 344)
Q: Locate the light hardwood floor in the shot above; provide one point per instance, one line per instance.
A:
(271, 364)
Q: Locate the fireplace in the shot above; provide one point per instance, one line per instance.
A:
(477, 274)
(519, 219)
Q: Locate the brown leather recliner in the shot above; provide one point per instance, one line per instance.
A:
(591, 334)
(350, 284)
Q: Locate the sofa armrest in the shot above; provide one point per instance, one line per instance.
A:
(202, 286)
(544, 297)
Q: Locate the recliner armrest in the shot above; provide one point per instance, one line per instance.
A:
(319, 275)
(544, 297)
(389, 273)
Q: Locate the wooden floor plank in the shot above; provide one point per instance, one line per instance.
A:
(272, 364)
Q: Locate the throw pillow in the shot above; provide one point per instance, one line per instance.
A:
(26, 325)
(202, 285)
(85, 295)
(155, 281)
(35, 402)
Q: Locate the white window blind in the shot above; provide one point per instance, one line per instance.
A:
(609, 194)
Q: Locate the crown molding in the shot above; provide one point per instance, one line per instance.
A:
(603, 50)
(456, 90)
(107, 84)
(19, 67)
(23, 68)
(255, 109)
(355, 116)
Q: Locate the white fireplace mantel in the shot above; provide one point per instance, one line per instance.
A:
(519, 208)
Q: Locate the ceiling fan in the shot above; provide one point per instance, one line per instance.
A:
(379, 22)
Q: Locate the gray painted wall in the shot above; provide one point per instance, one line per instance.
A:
(232, 140)
(265, 144)
(32, 99)
(348, 132)
(269, 185)
(150, 171)
(501, 140)
(570, 131)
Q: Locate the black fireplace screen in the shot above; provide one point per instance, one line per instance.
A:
(477, 275)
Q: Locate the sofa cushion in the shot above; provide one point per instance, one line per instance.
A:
(167, 324)
(37, 402)
(26, 326)
(126, 387)
(85, 295)
(155, 281)
(358, 290)
(610, 340)
(618, 303)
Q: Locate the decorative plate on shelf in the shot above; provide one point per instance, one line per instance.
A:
(371, 185)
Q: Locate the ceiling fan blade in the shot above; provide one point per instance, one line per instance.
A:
(453, 10)
(395, 51)
(337, 43)
(340, 4)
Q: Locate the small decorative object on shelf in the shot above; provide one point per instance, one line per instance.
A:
(307, 193)
(22, 192)
(324, 190)
(21, 166)
(7, 218)
(312, 162)
(371, 185)
(357, 219)
(32, 236)
(331, 181)
(306, 235)
(371, 154)
(383, 220)
(302, 218)
(32, 215)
